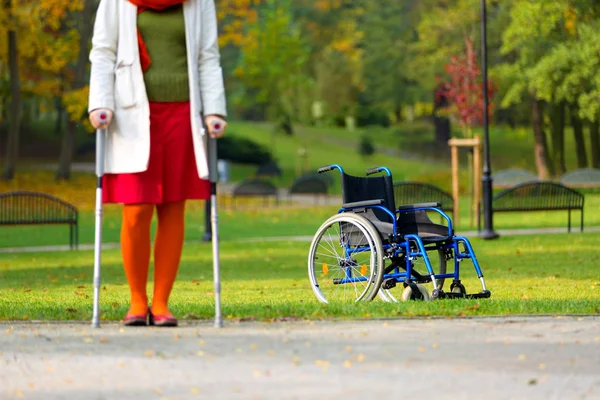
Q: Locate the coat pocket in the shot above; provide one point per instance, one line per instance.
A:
(124, 87)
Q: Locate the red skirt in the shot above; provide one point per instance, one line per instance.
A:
(172, 175)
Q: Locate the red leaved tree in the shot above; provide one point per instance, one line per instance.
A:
(465, 89)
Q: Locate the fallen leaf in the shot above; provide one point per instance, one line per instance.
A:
(435, 345)
(532, 382)
(103, 340)
(194, 390)
(347, 363)
(88, 340)
(150, 353)
(200, 353)
(360, 357)
(522, 357)
(542, 366)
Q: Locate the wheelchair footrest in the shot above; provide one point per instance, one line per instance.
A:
(484, 294)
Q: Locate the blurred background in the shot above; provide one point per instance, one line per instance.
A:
(361, 83)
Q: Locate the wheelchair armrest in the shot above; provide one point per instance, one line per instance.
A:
(409, 207)
(366, 203)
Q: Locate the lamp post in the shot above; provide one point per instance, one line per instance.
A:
(486, 179)
(207, 237)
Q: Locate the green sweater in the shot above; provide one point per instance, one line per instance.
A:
(164, 35)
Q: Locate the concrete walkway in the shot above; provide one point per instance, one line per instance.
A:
(479, 358)
(469, 234)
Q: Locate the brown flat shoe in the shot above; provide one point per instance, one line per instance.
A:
(162, 320)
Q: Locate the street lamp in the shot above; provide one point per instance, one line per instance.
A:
(207, 237)
(486, 178)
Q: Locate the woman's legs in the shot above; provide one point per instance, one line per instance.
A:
(167, 253)
(135, 249)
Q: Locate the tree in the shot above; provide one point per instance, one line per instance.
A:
(389, 30)
(534, 28)
(12, 146)
(465, 89)
(78, 89)
(274, 63)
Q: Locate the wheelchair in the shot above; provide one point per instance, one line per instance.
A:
(372, 249)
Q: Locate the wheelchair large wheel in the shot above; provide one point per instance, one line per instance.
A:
(345, 260)
(438, 261)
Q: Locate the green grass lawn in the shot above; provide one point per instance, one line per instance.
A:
(555, 274)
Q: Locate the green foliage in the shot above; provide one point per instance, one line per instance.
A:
(273, 66)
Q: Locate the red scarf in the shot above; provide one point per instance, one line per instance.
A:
(143, 5)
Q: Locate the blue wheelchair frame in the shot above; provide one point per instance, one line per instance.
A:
(401, 245)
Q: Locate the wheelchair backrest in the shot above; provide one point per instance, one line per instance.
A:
(357, 188)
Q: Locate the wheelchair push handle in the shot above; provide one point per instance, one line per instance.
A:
(375, 170)
(328, 168)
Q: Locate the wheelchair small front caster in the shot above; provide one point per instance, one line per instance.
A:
(458, 288)
(437, 294)
(413, 291)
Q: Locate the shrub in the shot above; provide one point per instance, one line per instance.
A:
(365, 146)
(242, 150)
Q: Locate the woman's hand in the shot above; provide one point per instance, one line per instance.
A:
(96, 118)
(216, 126)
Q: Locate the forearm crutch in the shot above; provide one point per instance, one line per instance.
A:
(214, 218)
(100, 141)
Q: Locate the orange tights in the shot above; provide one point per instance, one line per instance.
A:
(135, 249)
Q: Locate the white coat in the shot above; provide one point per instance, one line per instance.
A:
(117, 81)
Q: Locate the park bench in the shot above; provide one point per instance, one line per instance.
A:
(537, 196)
(417, 192)
(34, 208)
(255, 188)
(308, 184)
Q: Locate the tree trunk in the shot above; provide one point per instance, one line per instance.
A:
(398, 113)
(558, 137)
(12, 147)
(70, 133)
(595, 143)
(577, 125)
(441, 124)
(542, 164)
(442, 131)
(59, 116)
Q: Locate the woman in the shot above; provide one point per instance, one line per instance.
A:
(155, 72)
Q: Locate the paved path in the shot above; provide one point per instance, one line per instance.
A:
(470, 234)
(479, 358)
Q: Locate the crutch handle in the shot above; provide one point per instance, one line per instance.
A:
(217, 127)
